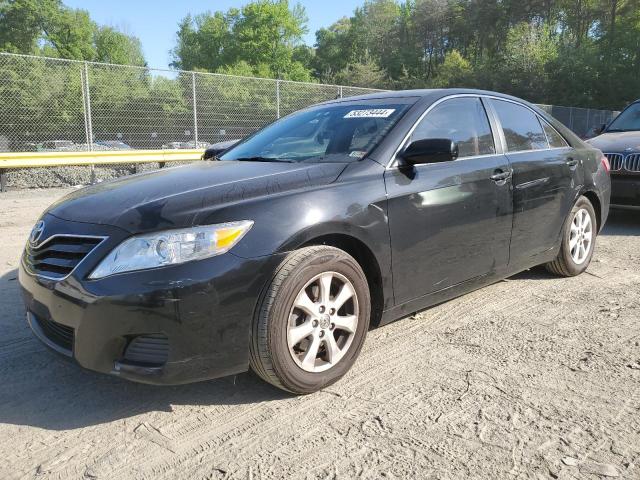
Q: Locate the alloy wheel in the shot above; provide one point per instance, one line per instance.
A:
(322, 322)
(580, 236)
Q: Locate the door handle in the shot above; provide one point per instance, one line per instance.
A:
(572, 162)
(500, 176)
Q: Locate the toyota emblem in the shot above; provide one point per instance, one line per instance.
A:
(36, 233)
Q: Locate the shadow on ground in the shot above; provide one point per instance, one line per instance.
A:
(45, 390)
(622, 222)
(535, 273)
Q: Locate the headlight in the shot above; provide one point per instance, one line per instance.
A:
(171, 247)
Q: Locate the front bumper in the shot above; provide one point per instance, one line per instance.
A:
(203, 308)
(625, 190)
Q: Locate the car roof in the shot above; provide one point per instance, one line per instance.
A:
(424, 94)
(428, 96)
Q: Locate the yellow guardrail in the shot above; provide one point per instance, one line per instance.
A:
(101, 157)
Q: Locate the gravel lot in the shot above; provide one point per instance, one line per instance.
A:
(533, 377)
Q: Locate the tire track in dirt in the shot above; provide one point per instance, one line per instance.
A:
(506, 381)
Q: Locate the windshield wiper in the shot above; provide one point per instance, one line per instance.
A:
(618, 130)
(263, 159)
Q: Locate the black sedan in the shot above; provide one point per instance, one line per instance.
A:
(281, 254)
(620, 142)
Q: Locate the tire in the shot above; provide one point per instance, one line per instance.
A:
(302, 276)
(566, 264)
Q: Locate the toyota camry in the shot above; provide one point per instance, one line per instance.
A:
(280, 253)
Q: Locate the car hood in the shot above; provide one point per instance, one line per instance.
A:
(180, 196)
(616, 142)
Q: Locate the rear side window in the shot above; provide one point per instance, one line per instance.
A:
(555, 139)
(462, 120)
(521, 127)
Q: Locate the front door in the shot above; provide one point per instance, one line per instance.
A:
(450, 221)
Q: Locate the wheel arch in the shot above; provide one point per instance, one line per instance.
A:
(367, 260)
(595, 201)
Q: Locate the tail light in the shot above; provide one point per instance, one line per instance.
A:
(605, 163)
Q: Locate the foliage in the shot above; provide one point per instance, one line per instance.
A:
(332, 57)
(31, 90)
(455, 71)
(262, 38)
(568, 52)
(47, 27)
(364, 73)
(115, 47)
(528, 50)
(562, 52)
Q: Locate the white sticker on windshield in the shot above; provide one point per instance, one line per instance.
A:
(371, 113)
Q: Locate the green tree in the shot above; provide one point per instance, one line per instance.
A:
(204, 41)
(43, 99)
(49, 28)
(265, 35)
(267, 32)
(569, 52)
(334, 49)
(69, 33)
(365, 73)
(113, 46)
(21, 23)
(455, 71)
(374, 28)
(523, 65)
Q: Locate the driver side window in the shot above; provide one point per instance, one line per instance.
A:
(462, 120)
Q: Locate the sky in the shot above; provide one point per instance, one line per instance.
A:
(155, 22)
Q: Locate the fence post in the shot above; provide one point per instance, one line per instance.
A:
(88, 126)
(588, 132)
(84, 108)
(277, 98)
(571, 118)
(195, 109)
(3, 180)
(341, 91)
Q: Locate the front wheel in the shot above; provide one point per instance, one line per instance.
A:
(578, 241)
(312, 320)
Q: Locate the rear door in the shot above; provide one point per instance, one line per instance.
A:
(450, 221)
(545, 172)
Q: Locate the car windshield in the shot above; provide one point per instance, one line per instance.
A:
(627, 121)
(341, 132)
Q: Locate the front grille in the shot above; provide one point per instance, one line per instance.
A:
(616, 160)
(57, 256)
(152, 350)
(632, 163)
(57, 333)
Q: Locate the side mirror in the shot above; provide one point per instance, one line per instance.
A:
(212, 153)
(218, 149)
(430, 150)
(601, 129)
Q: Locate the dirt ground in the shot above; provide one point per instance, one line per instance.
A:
(533, 377)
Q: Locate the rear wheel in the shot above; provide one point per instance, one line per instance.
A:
(312, 320)
(578, 241)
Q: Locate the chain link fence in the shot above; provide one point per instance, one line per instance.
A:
(49, 104)
(585, 122)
